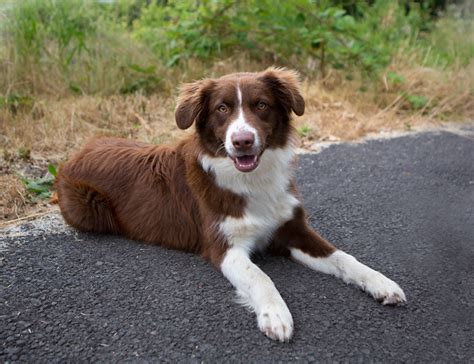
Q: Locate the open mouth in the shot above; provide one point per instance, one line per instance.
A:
(246, 163)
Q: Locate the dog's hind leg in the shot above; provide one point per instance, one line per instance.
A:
(85, 207)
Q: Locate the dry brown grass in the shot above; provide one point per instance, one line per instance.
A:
(338, 110)
(13, 197)
(50, 129)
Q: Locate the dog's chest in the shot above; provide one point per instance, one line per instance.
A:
(269, 201)
(265, 212)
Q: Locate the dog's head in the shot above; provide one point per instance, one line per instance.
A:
(241, 114)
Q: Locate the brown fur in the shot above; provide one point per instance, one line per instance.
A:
(161, 195)
(141, 191)
(297, 234)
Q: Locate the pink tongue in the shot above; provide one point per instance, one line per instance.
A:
(246, 160)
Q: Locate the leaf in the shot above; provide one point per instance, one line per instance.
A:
(395, 78)
(74, 87)
(52, 170)
(146, 70)
(173, 61)
(41, 187)
(300, 19)
(417, 102)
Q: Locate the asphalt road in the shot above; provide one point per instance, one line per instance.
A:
(403, 206)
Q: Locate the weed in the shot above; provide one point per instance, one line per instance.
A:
(15, 102)
(142, 79)
(416, 102)
(41, 187)
(395, 79)
(304, 131)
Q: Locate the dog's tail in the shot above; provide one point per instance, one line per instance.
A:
(85, 207)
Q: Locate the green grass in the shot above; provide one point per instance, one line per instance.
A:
(449, 43)
(75, 47)
(304, 131)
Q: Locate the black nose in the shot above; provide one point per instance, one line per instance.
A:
(243, 140)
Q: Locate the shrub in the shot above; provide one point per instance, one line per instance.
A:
(296, 33)
(89, 47)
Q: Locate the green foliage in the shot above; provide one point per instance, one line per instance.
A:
(450, 42)
(417, 102)
(289, 32)
(304, 131)
(90, 47)
(141, 79)
(395, 79)
(41, 187)
(15, 102)
(64, 25)
(82, 42)
(52, 170)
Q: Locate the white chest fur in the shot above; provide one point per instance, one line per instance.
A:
(269, 203)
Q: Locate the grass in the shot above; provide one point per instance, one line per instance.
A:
(49, 129)
(114, 84)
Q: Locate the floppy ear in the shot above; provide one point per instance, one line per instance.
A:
(191, 102)
(286, 86)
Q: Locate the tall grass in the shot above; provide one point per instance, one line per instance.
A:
(87, 47)
(69, 47)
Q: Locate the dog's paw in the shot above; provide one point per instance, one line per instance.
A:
(276, 322)
(384, 289)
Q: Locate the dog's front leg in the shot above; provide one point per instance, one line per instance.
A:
(257, 291)
(308, 248)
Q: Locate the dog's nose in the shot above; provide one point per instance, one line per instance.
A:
(243, 140)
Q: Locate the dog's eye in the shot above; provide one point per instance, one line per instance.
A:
(222, 108)
(261, 105)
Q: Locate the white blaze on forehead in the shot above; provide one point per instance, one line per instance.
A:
(238, 125)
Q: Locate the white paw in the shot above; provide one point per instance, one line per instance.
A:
(384, 289)
(275, 321)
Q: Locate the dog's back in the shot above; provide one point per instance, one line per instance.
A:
(120, 186)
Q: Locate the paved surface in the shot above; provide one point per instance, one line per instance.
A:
(403, 206)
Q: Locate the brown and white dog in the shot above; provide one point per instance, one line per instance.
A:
(225, 192)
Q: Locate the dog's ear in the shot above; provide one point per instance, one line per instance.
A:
(286, 87)
(192, 101)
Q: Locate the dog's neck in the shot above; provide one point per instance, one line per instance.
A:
(273, 175)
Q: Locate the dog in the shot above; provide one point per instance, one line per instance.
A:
(226, 191)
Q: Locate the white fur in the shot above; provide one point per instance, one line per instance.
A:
(270, 203)
(257, 291)
(350, 270)
(266, 190)
(240, 124)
